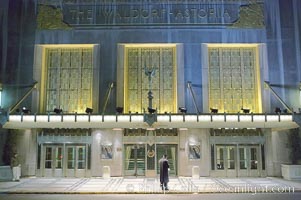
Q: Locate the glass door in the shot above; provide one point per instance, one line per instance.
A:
(80, 161)
(249, 161)
(134, 162)
(76, 161)
(53, 161)
(225, 160)
(171, 151)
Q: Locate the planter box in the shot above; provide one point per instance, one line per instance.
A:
(6, 173)
(291, 172)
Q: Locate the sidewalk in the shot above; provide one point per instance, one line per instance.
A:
(120, 185)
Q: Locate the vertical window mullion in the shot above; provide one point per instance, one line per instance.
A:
(221, 79)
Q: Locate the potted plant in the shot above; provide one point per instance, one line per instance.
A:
(293, 171)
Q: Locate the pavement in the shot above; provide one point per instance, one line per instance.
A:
(121, 185)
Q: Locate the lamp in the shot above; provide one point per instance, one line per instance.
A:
(25, 110)
(277, 110)
(214, 110)
(119, 110)
(245, 110)
(151, 110)
(58, 110)
(89, 110)
(182, 109)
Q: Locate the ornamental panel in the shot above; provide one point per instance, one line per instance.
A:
(232, 79)
(141, 60)
(69, 79)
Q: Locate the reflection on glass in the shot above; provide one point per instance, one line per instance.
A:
(231, 162)
(242, 158)
(134, 160)
(220, 158)
(71, 158)
(59, 158)
(253, 160)
(171, 151)
(81, 161)
(48, 158)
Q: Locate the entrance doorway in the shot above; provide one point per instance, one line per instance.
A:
(53, 161)
(76, 161)
(238, 160)
(134, 162)
(248, 160)
(142, 159)
(64, 161)
(171, 151)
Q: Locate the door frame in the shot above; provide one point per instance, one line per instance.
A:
(249, 172)
(76, 172)
(63, 171)
(53, 171)
(150, 173)
(238, 172)
(135, 171)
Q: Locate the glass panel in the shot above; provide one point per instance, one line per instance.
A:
(140, 162)
(263, 157)
(212, 157)
(128, 161)
(162, 61)
(89, 156)
(59, 157)
(48, 158)
(243, 158)
(253, 158)
(171, 152)
(81, 159)
(232, 79)
(134, 160)
(231, 161)
(39, 156)
(71, 158)
(69, 79)
(219, 158)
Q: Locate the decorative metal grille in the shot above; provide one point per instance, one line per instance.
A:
(232, 79)
(162, 59)
(69, 79)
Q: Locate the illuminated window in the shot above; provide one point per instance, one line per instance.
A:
(233, 78)
(136, 86)
(68, 78)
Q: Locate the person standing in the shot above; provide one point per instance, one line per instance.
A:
(16, 167)
(164, 177)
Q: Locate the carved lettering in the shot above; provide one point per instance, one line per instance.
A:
(202, 13)
(178, 15)
(155, 14)
(136, 14)
(145, 13)
(187, 13)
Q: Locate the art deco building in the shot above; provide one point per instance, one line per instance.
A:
(97, 87)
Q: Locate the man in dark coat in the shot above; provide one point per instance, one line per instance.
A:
(164, 166)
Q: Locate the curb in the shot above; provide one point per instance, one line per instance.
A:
(140, 193)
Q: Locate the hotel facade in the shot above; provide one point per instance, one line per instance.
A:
(93, 88)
